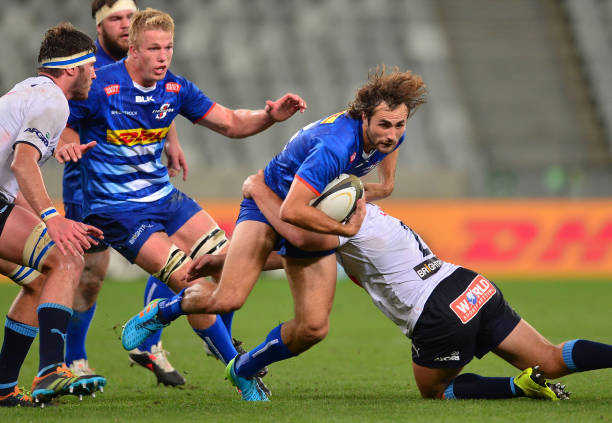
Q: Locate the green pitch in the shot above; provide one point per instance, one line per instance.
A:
(361, 372)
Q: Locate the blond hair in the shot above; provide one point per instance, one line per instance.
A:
(146, 20)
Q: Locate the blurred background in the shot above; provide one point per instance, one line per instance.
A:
(520, 93)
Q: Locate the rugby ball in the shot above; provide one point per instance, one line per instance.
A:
(339, 198)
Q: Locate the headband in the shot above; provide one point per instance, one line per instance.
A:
(68, 62)
(105, 11)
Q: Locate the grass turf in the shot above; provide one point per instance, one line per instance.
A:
(361, 372)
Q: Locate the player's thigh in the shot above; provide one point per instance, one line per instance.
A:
(313, 285)
(526, 347)
(431, 381)
(155, 254)
(96, 265)
(252, 242)
(196, 228)
(17, 229)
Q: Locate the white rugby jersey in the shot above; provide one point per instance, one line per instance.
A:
(35, 112)
(394, 265)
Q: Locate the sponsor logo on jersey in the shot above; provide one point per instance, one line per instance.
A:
(144, 98)
(428, 267)
(138, 232)
(124, 112)
(111, 89)
(332, 118)
(454, 356)
(163, 111)
(137, 136)
(173, 87)
(44, 138)
(467, 305)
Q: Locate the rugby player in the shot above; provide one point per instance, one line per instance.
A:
(354, 141)
(130, 108)
(32, 116)
(112, 22)
(451, 313)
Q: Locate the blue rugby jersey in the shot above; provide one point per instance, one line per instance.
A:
(124, 171)
(71, 190)
(320, 152)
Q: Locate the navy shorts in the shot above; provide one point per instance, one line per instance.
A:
(74, 211)
(5, 210)
(127, 231)
(250, 211)
(465, 316)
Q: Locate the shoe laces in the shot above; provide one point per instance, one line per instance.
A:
(160, 356)
(19, 393)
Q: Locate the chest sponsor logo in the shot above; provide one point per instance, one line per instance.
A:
(44, 138)
(111, 89)
(163, 111)
(173, 87)
(467, 305)
(428, 267)
(144, 98)
(137, 136)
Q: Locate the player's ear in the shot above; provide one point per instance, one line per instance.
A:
(71, 71)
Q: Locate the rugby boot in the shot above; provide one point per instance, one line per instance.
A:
(248, 387)
(141, 326)
(157, 362)
(63, 382)
(534, 385)
(17, 398)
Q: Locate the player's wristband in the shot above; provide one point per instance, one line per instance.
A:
(48, 213)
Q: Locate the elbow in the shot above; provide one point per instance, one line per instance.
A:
(287, 214)
(388, 190)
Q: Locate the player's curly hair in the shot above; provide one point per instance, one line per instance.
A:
(393, 88)
(144, 20)
(99, 4)
(60, 41)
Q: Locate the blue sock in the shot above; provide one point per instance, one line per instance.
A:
(18, 338)
(53, 321)
(580, 355)
(170, 308)
(228, 318)
(78, 326)
(270, 351)
(155, 289)
(218, 340)
(470, 385)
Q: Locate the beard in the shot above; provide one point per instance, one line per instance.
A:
(79, 90)
(114, 49)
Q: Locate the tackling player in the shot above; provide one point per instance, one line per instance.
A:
(354, 142)
(451, 313)
(128, 193)
(112, 21)
(32, 116)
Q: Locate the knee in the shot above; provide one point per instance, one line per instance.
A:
(313, 332)
(70, 265)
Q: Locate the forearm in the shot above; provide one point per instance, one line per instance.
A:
(377, 191)
(172, 136)
(249, 122)
(312, 219)
(31, 185)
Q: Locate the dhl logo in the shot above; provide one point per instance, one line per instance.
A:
(137, 136)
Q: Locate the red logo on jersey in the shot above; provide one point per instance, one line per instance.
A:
(173, 87)
(352, 158)
(476, 295)
(111, 89)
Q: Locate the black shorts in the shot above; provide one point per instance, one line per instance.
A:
(465, 316)
(5, 210)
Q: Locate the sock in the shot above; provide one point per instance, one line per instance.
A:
(53, 321)
(78, 326)
(18, 338)
(155, 289)
(580, 355)
(228, 318)
(470, 385)
(218, 340)
(170, 308)
(270, 351)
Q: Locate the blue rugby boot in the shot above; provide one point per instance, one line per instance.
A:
(141, 326)
(248, 388)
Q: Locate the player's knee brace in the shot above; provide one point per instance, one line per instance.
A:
(210, 243)
(22, 275)
(176, 259)
(37, 247)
